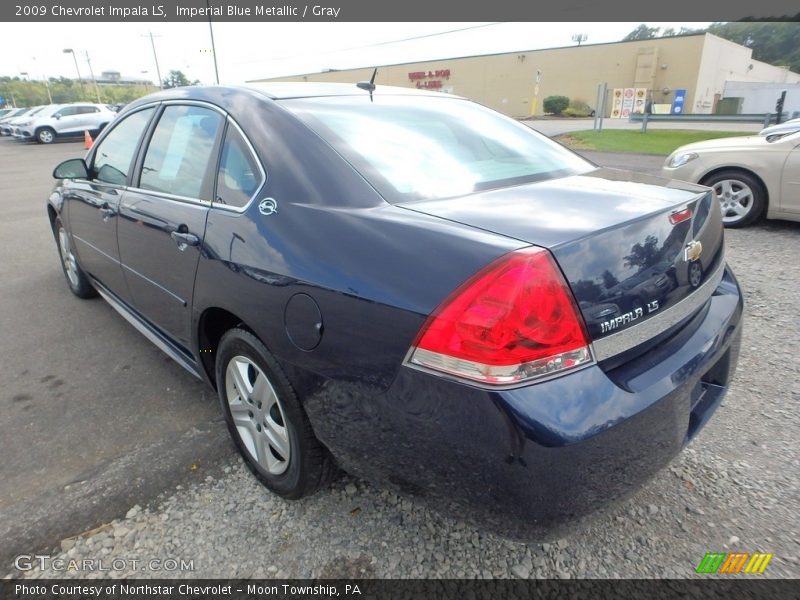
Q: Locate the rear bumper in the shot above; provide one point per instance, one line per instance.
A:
(528, 462)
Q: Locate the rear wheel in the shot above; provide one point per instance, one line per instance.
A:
(265, 418)
(77, 280)
(695, 274)
(741, 197)
(45, 135)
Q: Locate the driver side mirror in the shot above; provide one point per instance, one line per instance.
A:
(57, 116)
(74, 168)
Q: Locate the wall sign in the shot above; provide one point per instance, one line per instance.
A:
(677, 104)
(429, 79)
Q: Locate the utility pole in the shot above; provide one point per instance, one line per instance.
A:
(46, 83)
(155, 58)
(213, 47)
(77, 70)
(91, 73)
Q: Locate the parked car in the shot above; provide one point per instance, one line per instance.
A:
(63, 121)
(7, 123)
(752, 176)
(5, 111)
(14, 112)
(789, 126)
(396, 283)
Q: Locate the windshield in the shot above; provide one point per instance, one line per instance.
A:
(426, 147)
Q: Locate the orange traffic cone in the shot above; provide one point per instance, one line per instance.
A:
(87, 140)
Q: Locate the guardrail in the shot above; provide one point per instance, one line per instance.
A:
(646, 118)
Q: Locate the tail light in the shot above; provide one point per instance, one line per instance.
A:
(514, 321)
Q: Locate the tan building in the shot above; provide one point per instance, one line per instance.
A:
(516, 83)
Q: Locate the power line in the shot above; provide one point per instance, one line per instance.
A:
(376, 44)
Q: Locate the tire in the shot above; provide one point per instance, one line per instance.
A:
(741, 196)
(77, 280)
(45, 135)
(695, 274)
(268, 424)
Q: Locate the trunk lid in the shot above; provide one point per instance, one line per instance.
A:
(617, 237)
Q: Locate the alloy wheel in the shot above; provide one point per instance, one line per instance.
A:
(735, 199)
(257, 414)
(70, 266)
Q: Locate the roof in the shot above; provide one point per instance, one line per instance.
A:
(283, 90)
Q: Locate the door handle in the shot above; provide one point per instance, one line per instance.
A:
(107, 211)
(184, 239)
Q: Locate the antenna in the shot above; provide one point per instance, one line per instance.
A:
(369, 85)
(580, 38)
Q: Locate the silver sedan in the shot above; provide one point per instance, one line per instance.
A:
(752, 176)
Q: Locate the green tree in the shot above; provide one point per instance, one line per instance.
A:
(177, 79)
(776, 43)
(642, 32)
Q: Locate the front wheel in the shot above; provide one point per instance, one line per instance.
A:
(77, 280)
(741, 197)
(45, 135)
(265, 418)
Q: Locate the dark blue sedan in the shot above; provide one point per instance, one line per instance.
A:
(410, 287)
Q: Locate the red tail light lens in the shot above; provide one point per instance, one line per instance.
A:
(679, 216)
(514, 321)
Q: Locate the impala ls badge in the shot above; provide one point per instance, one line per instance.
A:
(692, 251)
(268, 206)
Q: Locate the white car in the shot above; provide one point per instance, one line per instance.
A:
(752, 176)
(785, 127)
(63, 120)
(7, 123)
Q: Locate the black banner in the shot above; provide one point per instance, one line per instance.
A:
(707, 589)
(408, 10)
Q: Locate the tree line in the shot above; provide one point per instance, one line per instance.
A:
(16, 91)
(773, 42)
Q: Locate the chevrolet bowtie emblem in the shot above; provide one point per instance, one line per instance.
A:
(692, 251)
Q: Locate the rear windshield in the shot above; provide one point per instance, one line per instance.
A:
(412, 148)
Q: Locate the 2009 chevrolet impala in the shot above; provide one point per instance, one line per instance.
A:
(411, 287)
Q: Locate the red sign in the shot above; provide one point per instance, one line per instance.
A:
(429, 79)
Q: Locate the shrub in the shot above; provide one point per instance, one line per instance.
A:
(555, 104)
(580, 106)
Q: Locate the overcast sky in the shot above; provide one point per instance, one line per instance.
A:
(255, 50)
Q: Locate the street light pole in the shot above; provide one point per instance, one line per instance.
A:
(91, 73)
(155, 58)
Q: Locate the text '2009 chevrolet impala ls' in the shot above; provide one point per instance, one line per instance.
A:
(411, 287)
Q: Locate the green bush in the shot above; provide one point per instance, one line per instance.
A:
(555, 104)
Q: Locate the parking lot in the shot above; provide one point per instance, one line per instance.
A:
(97, 422)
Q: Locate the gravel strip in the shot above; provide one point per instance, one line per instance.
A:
(734, 489)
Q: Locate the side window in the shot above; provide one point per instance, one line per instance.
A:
(239, 174)
(85, 110)
(178, 156)
(113, 157)
(67, 111)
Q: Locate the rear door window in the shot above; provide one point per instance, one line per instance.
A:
(114, 154)
(179, 154)
(240, 174)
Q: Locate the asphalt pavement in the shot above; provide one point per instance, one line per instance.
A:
(93, 417)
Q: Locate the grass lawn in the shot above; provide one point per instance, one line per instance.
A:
(659, 141)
